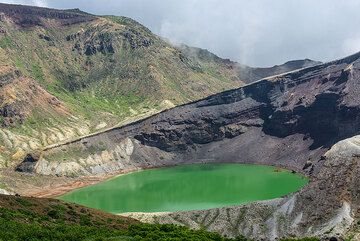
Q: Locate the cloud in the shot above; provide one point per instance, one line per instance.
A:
(351, 45)
(38, 3)
(257, 32)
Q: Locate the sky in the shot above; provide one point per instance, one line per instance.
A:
(252, 32)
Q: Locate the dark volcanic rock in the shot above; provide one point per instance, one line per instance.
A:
(27, 16)
(91, 42)
(271, 105)
(135, 39)
(286, 120)
(45, 37)
(11, 115)
(291, 121)
(28, 164)
(2, 31)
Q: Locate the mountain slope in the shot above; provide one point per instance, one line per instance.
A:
(45, 219)
(94, 72)
(299, 120)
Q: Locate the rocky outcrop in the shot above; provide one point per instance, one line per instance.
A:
(135, 39)
(105, 162)
(45, 37)
(103, 39)
(90, 42)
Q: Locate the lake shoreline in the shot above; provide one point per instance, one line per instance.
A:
(73, 184)
(188, 188)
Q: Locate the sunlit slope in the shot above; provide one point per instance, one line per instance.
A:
(83, 73)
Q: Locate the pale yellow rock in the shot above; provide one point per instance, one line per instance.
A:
(24, 146)
(106, 156)
(89, 160)
(132, 111)
(18, 155)
(167, 104)
(82, 161)
(101, 125)
(59, 135)
(69, 132)
(34, 145)
(83, 130)
(2, 161)
(7, 142)
(44, 139)
(52, 138)
(129, 148)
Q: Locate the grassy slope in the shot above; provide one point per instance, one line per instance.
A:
(46, 219)
(111, 82)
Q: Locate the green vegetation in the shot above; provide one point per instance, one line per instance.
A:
(130, 75)
(19, 64)
(64, 222)
(37, 73)
(135, 73)
(107, 70)
(31, 220)
(19, 231)
(6, 42)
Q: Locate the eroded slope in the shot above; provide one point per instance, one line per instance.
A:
(288, 120)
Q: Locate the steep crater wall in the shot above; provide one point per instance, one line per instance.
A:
(289, 120)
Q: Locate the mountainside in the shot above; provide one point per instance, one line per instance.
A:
(66, 73)
(298, 120)
(48, 219)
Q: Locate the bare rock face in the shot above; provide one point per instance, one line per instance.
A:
(291, 121)
(135, 39)
(91, 42)
(308, 102)
(103, 39)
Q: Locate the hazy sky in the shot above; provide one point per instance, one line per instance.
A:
(253, 32)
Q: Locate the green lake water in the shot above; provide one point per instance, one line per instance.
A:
(187, 187)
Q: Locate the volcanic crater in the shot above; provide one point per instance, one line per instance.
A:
(305, 120)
